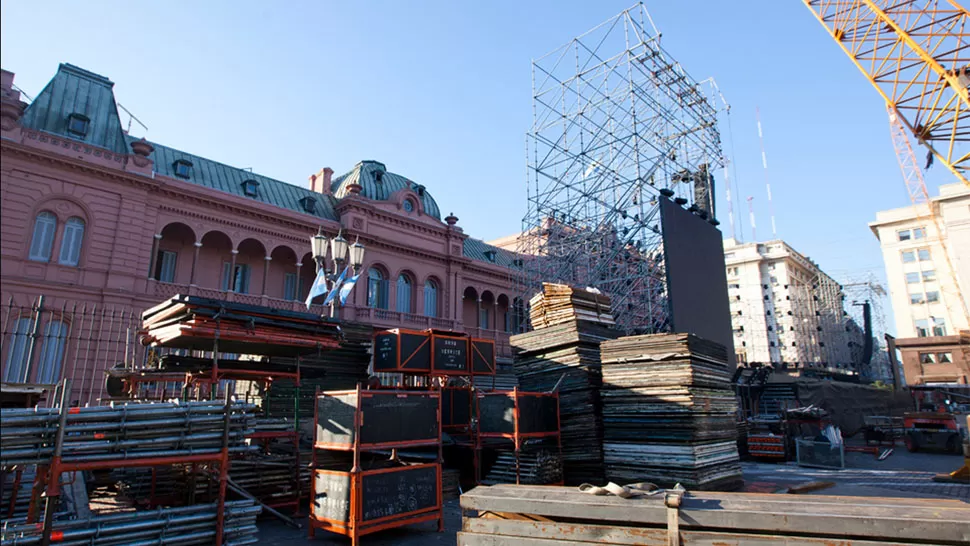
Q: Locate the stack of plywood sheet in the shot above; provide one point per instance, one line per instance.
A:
(559, 303)
(524, 515)
(669, 412)
(566, 356)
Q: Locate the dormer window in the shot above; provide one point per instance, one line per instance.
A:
(250, 187)
(309, 204)
(490, 255)
(77, 125)
(183, 168)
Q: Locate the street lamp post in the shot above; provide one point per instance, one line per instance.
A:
(340, 250)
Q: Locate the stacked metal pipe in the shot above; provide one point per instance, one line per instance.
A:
(184, 526)
(126, 431)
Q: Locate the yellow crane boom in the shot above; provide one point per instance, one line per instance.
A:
(917, 55)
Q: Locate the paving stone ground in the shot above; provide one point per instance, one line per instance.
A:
(903, 474)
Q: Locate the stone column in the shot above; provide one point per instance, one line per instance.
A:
(478, 319)
(195, 262)
(232, 271)
(297, 287)
(495, 317)
(266, 262)
(154, 256)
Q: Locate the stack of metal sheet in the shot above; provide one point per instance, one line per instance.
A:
(332, 370)
(450, 483)
(124, 431)
(535, 467)
(194, 323)
(559, 303)
(669, 412)
(194, 524)
(566, 356)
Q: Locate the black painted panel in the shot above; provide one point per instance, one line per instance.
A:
(385, 352)
(399, 418)
(483, 357)
(399, 492)
(450, 354)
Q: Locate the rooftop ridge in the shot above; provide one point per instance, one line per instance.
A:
(87, 74)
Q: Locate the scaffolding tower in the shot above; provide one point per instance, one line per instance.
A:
(860, 290)
(617, 125)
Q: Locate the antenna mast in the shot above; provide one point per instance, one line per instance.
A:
(764, 163)
(754, 233)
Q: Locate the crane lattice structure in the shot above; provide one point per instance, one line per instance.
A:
(917, 56)
(616, 120)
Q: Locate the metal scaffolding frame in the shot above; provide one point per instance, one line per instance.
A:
(616, 121)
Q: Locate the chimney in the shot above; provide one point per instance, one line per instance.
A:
(320, 182)
(6, 84)
(11, 107)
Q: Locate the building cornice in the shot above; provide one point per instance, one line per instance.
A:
(26, 151)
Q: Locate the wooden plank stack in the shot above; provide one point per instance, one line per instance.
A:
(559, 303)
(564, 354)
(509, 515)
(669, 412)
(193, 323)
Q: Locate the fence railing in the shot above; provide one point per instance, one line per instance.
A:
(42, 343)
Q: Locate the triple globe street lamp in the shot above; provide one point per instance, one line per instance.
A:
(340, 252)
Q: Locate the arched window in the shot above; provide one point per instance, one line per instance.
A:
(403, 293)
(17, 355)
(376, 289)
(43, 239)
(430, 298)
(71, 242)
(52, 353)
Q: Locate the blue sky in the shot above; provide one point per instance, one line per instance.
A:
(441, 93)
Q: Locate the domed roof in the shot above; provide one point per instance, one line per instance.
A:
(379, 184)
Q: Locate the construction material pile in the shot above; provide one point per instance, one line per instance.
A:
(194, 323)
(535, 467)
(333, 370)
(669, 412)
(566, 356)
(124, 431)
(560, 303)
(188, 525)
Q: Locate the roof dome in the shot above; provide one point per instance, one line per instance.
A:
(379, 184)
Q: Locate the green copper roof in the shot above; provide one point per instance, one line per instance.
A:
(219, 176)
(484, 252)
(378, 184)
(74, 90)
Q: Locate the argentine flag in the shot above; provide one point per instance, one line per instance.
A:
(318, 288)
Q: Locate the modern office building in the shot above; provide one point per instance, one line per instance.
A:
(926, 249)
(928, 271)
(786, 311)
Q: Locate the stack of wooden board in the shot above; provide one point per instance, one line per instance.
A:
(669, 412)
(194, 323)
(559, 303)
(524, 515)
(566, 356)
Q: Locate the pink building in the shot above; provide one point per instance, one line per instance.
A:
(99, 222)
